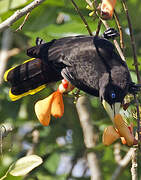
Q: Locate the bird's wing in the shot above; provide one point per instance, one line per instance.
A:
(77, 58)
(83, 66)
(104, 46)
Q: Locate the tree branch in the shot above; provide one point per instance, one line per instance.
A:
(117, 152)
(134, 165)
(122, 164)
(82, 17)
(120, 30)
(115, 42)
(83, 110)
(25, 19)
(19, 13)
(138, 121)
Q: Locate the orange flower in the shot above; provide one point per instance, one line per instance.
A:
(110, 135)
(57, 107)
(123, 130)
(43, 110)
(107, 9)
(52, 105)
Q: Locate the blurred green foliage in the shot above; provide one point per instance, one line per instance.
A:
(64, 136)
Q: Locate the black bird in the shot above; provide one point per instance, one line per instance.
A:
(89, 62)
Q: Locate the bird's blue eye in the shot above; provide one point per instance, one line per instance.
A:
(113, 95)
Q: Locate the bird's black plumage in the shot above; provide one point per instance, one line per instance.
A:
(89, 62)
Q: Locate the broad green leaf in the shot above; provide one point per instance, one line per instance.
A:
(8, 4)
(25, 165)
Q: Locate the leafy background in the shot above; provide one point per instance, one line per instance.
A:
(61, 144)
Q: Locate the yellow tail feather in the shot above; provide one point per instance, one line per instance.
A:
(31, 92)
(6, 72)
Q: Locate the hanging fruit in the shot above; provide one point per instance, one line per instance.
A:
(107, 9)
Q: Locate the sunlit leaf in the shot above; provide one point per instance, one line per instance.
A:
(25, 165)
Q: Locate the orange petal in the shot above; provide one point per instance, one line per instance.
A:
(123, 129)
(57, 108)
(43, 110)
(109, 136)
(107, 8)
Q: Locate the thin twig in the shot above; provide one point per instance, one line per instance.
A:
(138, 121)
(115, 41)
(7, 172)
(89, 3)
(73, 163)
(120, 30)
(25, 19)
(82, 17)
(107, 26)
(98, 27)
(19, 13)
(134, 165)
(136, 67)
(136, 64)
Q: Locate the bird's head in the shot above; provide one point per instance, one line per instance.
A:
(111, 97)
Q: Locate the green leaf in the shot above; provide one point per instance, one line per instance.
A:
(25, 165)
(8, 5)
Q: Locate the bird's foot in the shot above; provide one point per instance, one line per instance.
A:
(39, 41)
(110, 33)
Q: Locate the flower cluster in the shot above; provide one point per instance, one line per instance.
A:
(53, 104)
(119, 130)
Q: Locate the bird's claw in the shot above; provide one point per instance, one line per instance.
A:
(110, 33)
(39, 41)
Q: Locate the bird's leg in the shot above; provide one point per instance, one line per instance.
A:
(110, 33)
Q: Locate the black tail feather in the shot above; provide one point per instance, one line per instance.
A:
(30, 77)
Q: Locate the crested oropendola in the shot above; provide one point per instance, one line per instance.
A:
(89, 63)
